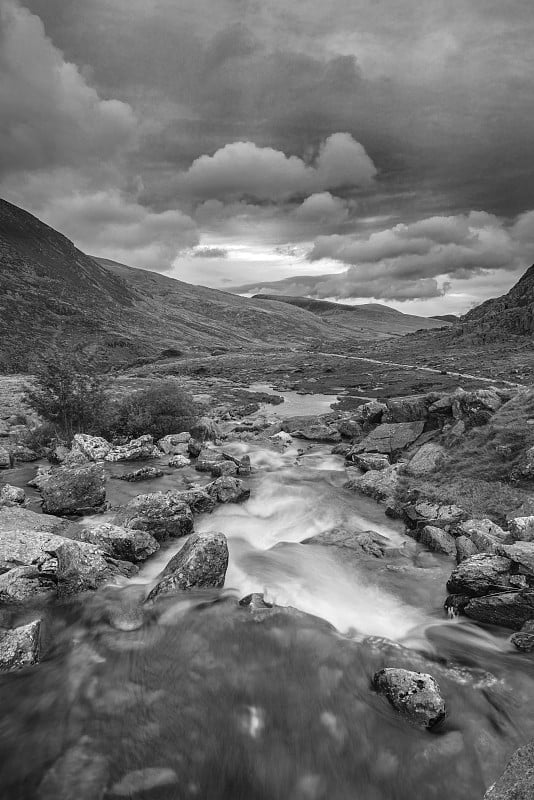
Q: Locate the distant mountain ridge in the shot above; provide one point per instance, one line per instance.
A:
(511, 313)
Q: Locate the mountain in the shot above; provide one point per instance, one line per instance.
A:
(452, 318)
(368, 321)
(511, 313)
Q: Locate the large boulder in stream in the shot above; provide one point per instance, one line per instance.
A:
(135, 450)
(415, 695)
(125, 544)
(20, 647)
(201, 563)
(391, 438)
(175, 443)
(509, 609)
(94, 448)
(23, 585)
(71, 490)
(12, 495)
(205, 430)
(480, 575)
(314, 429)
(381, 485)
(227, 490)
(365, 543)
(164, 515)
(517, 780)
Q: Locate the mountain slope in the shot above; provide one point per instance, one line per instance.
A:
(511, 313)
(368, 321)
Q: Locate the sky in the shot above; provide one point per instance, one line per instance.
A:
(371, 150)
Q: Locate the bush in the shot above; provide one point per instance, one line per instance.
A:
(161, 409)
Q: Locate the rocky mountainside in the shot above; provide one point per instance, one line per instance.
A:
(511, 313)
(367, 321)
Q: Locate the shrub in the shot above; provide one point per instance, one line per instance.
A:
(161, 409)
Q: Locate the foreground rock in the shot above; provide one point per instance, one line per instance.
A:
(480, 574)
(415, 695)
(24, 520)
(381, 485)
(517, 781)
(137, 449)
(125, 544)
(164, 515)
(23, 585)
(73, 490)
(201, 563)
(12, 495)
(20, 647)
(509, 609)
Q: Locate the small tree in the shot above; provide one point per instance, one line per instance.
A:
(68, 396)
(161, 409)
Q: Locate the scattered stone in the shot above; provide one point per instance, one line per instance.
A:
(163, 515)
(143, 780)
(438, 540)
(20, 647)
(73, 490)
(510, 609)
(94, 448)
(480, 575)
(368, 461)
(517, 781)
(228, 490)
(416, 695)
(391, 438)
(179, 461)
(137, 449)
(12, 495)
(426, 460)
(124, 544)
(81, 773)
(524, 639)
(202, 562)
(142, 474)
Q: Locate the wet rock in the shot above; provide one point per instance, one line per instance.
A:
(426, 460)
(368, 461)
(194, 448)
(24, 520)
(255, 601)
(20, 647)
(480, 575)
(517, 781)
(390, 438)
(175, 443)
(81, 773)
(179, 461)
(521, 554)
(381, 485)
(260, 609)
(510, 609)
(206, 430)
(142, 474)
(143, 780)
(124, 544)
(365, 542)
(313, 429)
(202, 562)
(465, 548)
(524, 639)
(12, 495)
(198, 500)
(406, 409)
(228, 490)
(81, 567)
(207, 460)
(415, 695)
(485, 534)
(244, 466)
(224, 468)
(438, 540)
(94, 448)
(455, 604)
(282, 437)
(162, 514)
(73, 490)
(522, 528)
(26, 585)
(141, 448)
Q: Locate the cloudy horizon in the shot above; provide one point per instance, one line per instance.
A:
(371, 151)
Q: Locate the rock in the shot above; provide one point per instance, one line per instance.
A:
(26, 585)
(12, 495)
(194, 448)
(40, 477)
(202, 562)
(124, 544)
(94, 448)
(24, 454)
(517, 781)
(426, 460)
(5, 458)
(465, 548)
(475, 408)
(368, 461)
(228, 490)
(282, 437)
(137, 449)
(311, 428)
(175, 443)
(81, 773)
(370, 413)
(73, 490)
(438, 540)
(510, 609)
(485, 534)
(524, 640)
(455, 604)
(416, 695)
(391, 438)
(26, 521)
(224, 468)
(142, 474)
(58, 454)
(206, 430)
(521, 554)
(365, 542)
(143, 780)
(424, 512)
(198, 500)
(20, 647)
(350, 428)
(244, 466)
(406, 409)
(381, 485)
(163, 515)
(178, 461)
(522, 528)
(82, 567)
(207, 461)
(480, 575)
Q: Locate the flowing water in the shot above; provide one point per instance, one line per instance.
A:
(221, 704)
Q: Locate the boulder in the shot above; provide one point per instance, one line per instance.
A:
(12, 495)
(137, 449)
(25, 547)
(426, 460)
(415, 695)
(370, 413)
(142, 474)
(26, 585)
(391, 437)
(314, 429)
(381, 485)
(406, 409)
(94, 448)
(438, 540)
(465, 548)
(178, 461)
(161, 514)
(367, 543)
(282, 437)
(524, 639)
(206, 430)
(228, 490)
(124, 544)
(81, 567)
(350, 428)
(522, 555)
(368, 461)
(480, 575)
(201, 563)
(517, 780)
(20, 647)
(484, 533)
(207, 460)
(522, 528)
(26, 521)
(5, 458)
(175, 443)
(224, 468)
(475, 408)
(510, 609)
(73, 490)
(424, 512)
(198, 499)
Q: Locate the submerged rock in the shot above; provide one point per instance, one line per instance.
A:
(162, 514)
(517, 780)
(74, 489)
(81, 773)
(122, 543)
(202, 562)
(20, 647)
(416, 695)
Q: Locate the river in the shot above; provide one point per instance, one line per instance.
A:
(220, 704)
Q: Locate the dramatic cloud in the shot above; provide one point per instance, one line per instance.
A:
(242, 169)
(322, 208)
(210, 252)
(50, 115)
